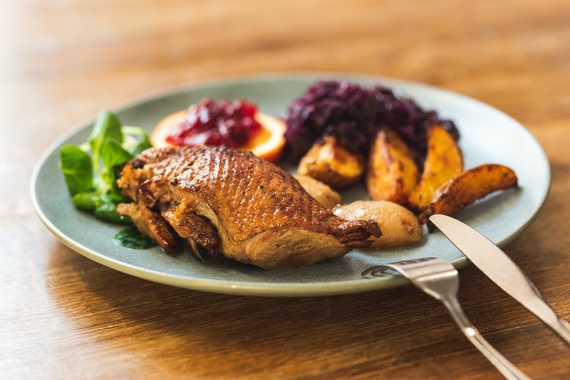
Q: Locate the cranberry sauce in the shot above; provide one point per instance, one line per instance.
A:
(216, 123)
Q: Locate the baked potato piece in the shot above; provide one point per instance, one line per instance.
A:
(331, 163)
(468, 187)
(399, 226)
(322, 192)
(391, 173)
(443, 162)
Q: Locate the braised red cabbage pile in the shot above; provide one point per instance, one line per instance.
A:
(353, 114)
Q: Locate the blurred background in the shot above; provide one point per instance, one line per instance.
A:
(69, 48)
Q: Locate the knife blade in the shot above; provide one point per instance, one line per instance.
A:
(503, 271)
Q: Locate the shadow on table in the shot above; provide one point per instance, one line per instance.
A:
(227, 335)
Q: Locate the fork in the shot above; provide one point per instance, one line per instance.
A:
(440, 279)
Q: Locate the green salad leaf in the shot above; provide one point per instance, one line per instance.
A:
(77, 169)
(91, 169)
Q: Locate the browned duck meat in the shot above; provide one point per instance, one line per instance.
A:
(230, 202)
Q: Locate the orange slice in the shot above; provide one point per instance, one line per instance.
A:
(162, 130)
(267, 144)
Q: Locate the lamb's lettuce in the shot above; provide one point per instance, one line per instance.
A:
(91, 169)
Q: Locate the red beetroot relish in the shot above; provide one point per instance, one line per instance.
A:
(216, 123)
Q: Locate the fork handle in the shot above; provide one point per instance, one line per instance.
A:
(499, 361)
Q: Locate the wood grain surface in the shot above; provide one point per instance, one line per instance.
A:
(63, 316)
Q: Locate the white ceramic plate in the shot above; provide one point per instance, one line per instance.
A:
(487, 136)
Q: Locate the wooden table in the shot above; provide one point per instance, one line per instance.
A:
(63, 316)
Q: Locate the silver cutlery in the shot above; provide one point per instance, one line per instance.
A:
(500, 269)
(440, 279)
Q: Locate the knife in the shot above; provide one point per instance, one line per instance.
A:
(500, 269)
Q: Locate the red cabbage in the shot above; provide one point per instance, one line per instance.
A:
(353, 114)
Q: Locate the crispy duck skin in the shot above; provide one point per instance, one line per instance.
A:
(232, 203)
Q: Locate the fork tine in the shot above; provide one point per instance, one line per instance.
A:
(382, 268)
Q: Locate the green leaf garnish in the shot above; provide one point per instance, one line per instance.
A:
(91, 169)
(77, 169)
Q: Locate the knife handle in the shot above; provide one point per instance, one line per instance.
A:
(563, 329)
(542, 310)
(560, 326)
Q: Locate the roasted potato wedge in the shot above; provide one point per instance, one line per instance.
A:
(331, 163)
(468, 187)
(391, 173)
(443, 162)
(399, 226)
(322, 192)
